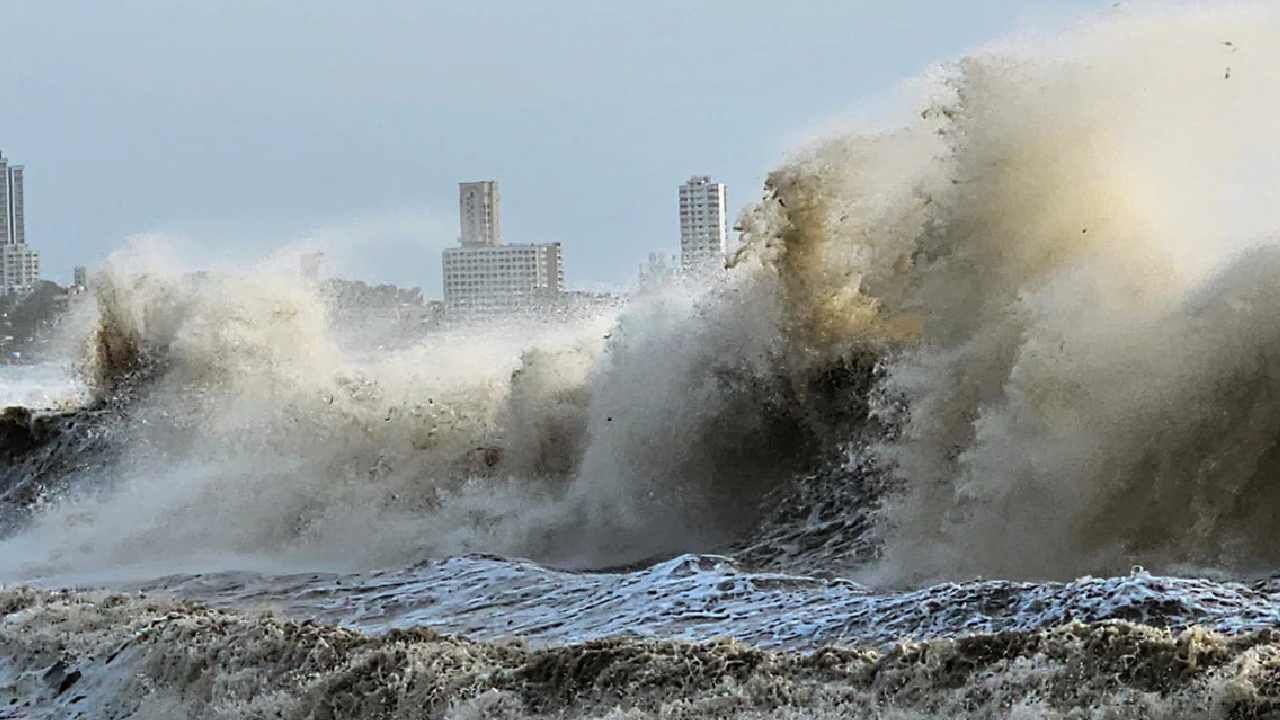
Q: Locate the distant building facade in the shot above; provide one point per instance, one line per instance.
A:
(584, 303)
(483, 277)
(480, 213)
(703, 232)
(659, 271)
(19, 263)
(19, 269)
(501, 279)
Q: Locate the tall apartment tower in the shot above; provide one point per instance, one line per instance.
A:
(703, 232)
(13, 229)
(19, 264)
(478, 208)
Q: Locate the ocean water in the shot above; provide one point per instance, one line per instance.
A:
(981, 422)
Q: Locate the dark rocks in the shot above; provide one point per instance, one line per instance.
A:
(40, 454)
(17, 436)
(59, 679)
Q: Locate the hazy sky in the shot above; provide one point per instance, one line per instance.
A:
(235, 127)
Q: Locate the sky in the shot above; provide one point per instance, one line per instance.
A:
(228, 129)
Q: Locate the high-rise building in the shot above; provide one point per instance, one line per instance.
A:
(19, 264)
(703, 234)
(478, 208)
(13, 223)
(484, 277)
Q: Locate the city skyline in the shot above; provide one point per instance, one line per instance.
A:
(272, 126)
(703, 240)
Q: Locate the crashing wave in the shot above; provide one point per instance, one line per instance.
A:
(1045, 306)
(1029, 335)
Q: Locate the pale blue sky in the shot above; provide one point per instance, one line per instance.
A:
(238, 126)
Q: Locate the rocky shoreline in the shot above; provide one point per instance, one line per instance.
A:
(39, 453)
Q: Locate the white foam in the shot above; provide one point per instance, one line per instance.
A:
(41, 385)
(704, 597)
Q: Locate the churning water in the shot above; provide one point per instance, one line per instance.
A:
(1030, 335)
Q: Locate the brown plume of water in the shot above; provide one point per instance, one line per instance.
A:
(1068, 264)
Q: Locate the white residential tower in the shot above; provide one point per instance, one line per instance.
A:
(703, 232)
